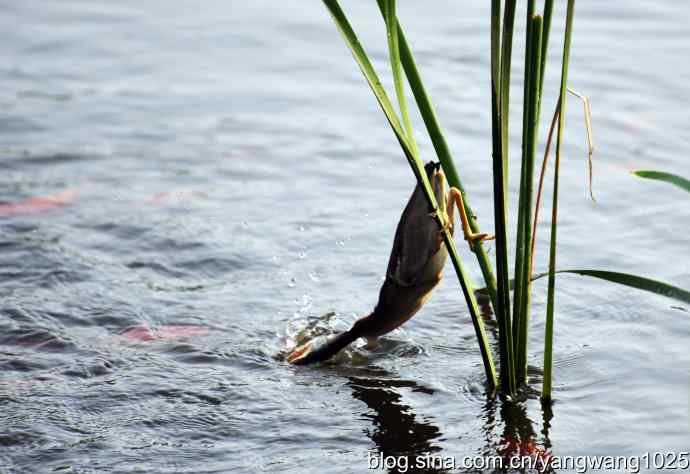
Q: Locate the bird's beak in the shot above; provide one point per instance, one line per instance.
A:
(298, 355)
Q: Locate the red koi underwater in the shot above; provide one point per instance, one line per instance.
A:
(174, 195)
(39, 203)
(132, 334)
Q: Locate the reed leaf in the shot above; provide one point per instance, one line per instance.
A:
(547, 150)
(633, 281)
(362, 60)
(679, 181)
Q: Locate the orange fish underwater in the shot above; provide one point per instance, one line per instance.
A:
(39, 203)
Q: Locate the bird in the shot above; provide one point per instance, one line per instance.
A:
(415, 267)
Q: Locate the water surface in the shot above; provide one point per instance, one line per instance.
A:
(231, 179)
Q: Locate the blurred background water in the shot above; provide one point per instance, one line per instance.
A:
(216, 176)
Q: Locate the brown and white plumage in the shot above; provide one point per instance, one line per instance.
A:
(414, 268)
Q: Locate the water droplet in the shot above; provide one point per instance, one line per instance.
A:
(306, 299)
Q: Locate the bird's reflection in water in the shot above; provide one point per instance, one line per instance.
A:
(398, 433)
(402, 438)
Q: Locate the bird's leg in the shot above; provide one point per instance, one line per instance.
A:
(455, 199)
(445, 214)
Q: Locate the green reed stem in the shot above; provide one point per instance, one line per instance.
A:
(497, 146)
(528, 192)
(426, 110)
(548, 339)
(506, 56)
(519, 291)
(548, 14)
(500, 109)
(394, 51)
(374, 82)
(525, 249)
(495, 49)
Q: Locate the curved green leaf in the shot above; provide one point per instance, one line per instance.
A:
(634, 281)
(663, 176)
